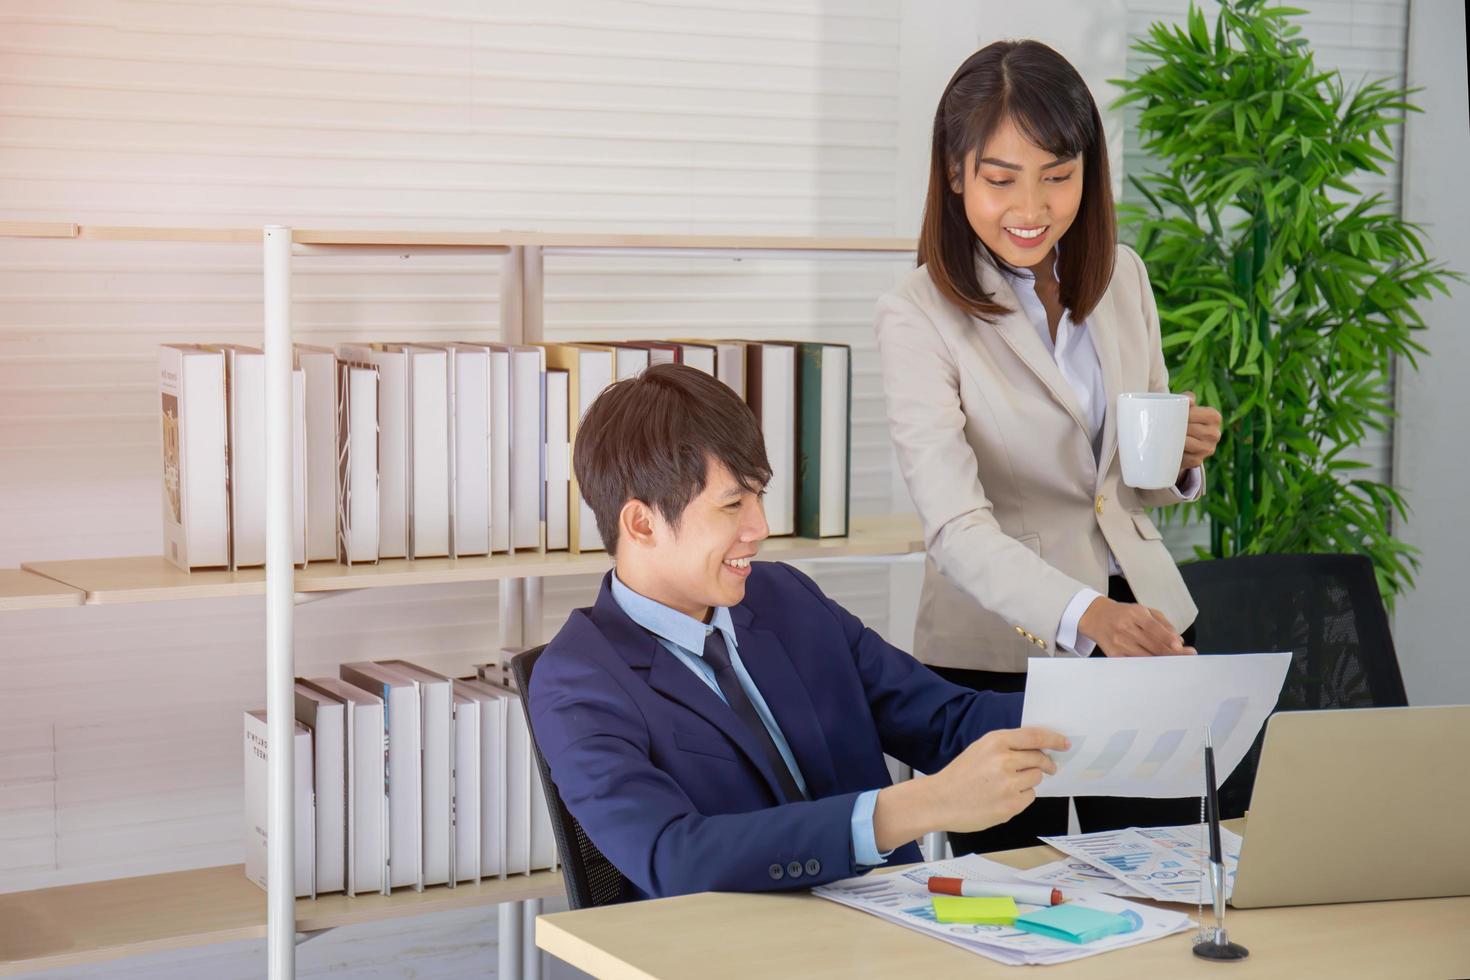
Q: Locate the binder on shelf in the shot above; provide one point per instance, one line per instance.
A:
(318, 366)
(298, 467)
(515, 448)
(770, 391)
(400, 695)
(728, 360)
(357, 463)
(196, 506)
(491, 757)
(257, 810)
(699, 356)
(497, 445)
(468, 791)
(436, 745)
(659, 351)
(245, 391)
(589, 370)
(556, 460)
(470, 380)
(367, 784)
(391, 362)
(245, 404)
(325, 716)
(428, 452)
(527, 439)
(824, 388)
(730, 364)
(629, 361)
(517, 777)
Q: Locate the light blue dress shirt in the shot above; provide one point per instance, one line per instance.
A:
(684, 637)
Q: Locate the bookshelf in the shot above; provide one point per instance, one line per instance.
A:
(78, 924)
(99, 920)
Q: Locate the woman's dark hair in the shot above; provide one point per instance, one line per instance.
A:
(1028, 82)
(651, 438)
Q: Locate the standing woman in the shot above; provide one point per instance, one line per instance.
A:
(1003, 355)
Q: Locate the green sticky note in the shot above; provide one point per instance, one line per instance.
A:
(1073, 923)
(975, 911)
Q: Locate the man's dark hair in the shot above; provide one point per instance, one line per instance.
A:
(651, 438)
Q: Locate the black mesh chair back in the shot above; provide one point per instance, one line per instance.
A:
(1325, 609)
(591, 878)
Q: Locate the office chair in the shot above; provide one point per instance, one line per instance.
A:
(591, 878)
(1325, 609)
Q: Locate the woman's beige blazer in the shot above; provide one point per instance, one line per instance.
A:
(1017, 514)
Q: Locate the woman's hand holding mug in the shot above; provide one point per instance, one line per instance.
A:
(1202, 436)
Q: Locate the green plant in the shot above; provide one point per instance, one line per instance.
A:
(1283, 292)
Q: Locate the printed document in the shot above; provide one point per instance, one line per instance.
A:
(903, 897)
(1167, 864)
(1137, 724)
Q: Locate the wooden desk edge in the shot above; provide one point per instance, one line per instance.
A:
(583, 955)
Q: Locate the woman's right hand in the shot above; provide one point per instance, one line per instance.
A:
(1127, 629)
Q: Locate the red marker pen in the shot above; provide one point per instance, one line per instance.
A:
(1030, 894)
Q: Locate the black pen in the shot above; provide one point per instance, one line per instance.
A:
(1219, 946)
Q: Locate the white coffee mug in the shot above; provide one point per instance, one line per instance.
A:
(1151, 429)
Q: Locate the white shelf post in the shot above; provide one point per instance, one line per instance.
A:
(280, 667)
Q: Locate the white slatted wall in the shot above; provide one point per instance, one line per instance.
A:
(1363, 39)
(119, 728)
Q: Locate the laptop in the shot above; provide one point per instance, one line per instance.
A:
(1358, 805)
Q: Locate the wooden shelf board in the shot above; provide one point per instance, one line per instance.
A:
(419, 237)
(140, 233)
(104, 920)
(22, 589)
(38, 229)
(756, 242)
(150, 578)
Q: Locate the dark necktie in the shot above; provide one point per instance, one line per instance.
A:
(718, 657)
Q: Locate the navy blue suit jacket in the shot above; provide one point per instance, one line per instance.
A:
(670, 786)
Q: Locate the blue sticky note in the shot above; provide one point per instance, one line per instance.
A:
(1073, 923)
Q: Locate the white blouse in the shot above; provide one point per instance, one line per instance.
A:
(1077, 359)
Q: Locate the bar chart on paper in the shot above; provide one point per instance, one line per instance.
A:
(1137, 724)
(1162, 863)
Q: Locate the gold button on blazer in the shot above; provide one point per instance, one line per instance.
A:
(1018, 515)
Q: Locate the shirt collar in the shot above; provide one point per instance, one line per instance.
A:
(669, 624)
(1027, 278)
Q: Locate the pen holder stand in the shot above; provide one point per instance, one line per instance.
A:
(1219, 947)
(1216, 945)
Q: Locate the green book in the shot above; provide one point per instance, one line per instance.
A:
(824, 439)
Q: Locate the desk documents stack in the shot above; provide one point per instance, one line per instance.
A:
(903, 898)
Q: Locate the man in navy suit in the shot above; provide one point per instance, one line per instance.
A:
(715, 723)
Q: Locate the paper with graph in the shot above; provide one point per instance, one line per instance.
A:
(1166, 864)
(1137, 724)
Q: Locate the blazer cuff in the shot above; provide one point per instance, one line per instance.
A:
(1068, 638)
(1189, 486)
(865, 853)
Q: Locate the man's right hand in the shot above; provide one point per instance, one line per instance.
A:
(992, 780)
(1128, 629)
(995, 778)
